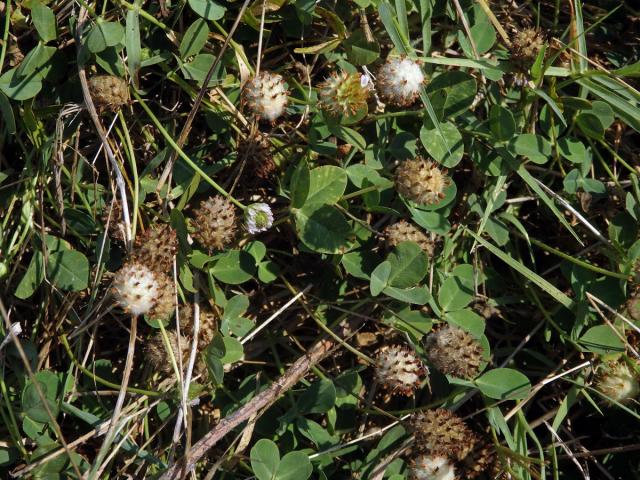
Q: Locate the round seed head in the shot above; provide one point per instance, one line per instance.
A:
(618, 382)
(431, 467)
(215, 223)
(404, 231)
(266, 96)
(114, 223)
(136, 288)
(156, 248)
(526, 43)
(208, 324)
(400, 81)
(343, 93)
(165, 303)
(399, 370)
(156, 353)
(421, 181)
(479, 460)
(442, 433)
(256, 151)
(455, 352)
(108, 92)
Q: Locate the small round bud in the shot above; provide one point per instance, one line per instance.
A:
(431, 467)
(442, 433)
(108, 92)
(400, 81)
(421, 181)
(266, 96)
(404, 231)
(215, 223)
(344, 93)
(618, 382)
(454, 351)
(399, 369)
(258, 218)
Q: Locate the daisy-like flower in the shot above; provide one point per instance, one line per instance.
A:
(400, 81)
(258, 218)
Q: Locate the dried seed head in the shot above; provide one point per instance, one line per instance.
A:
(633, 306)
(156, 248)
(108, 92)
(442, 433)
(479, 460)
(256, 151)
(431, 467)
(136, 288)
(266, 95)
(454, 351)
(400, 81)
(421, 181)
(114, 222)
(156, 353)
(398, 369)
(166, 300)
(215, 223)
(208, 324)
(526, 43)
(404, 231)
(618, 382)
(343, 93)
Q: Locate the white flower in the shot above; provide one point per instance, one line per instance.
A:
(136, 288)
(258, 218)
(400, 81)
(427, 467)
(266, 95)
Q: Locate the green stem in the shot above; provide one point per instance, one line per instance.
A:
(183, 155)
(147, 16)
(100, 380)
(5, 34)
(362, 191)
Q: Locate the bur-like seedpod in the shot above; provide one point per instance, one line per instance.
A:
(142, 291)
(208, 324)
(431, 467)
(266, 96)
(454, 351)
(399, 369)
(481, 458)
(108, 92)
(256, 151)
(526, 44)
(157, 355)
(344, 93)
(399, 81)
(214, 223)
(440, 432)
(421, 181)
(618, 382)
(404, 231)
(156, 248)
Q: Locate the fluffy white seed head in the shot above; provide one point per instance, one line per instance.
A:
(428, 467)
(258, 218)
(266, 95)
(399, 369)
(618, 382)
(136, 288)
(399, 81)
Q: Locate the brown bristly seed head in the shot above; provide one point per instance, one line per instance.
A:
(421, 181)
(137, 288)
(343, 94)
(266, 95)
(404, 231)
(208, 324)
(166, 300)
(480, 459)
(256, 151)
(442, 433)
(108, 92)
(158, 357)
(115, 227)
(454, 351)
(214, 223)
(156, 248)
(526, 43)
(399, 369)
